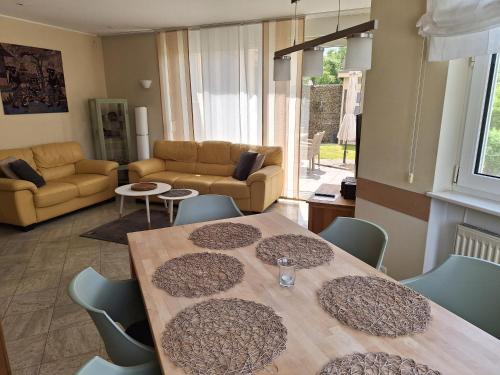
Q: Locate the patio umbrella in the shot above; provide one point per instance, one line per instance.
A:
(347, 128)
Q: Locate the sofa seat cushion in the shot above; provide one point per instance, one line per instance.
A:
(231, 187)
(87, 184)
(201, 183)
(167, 177)
(54, 193)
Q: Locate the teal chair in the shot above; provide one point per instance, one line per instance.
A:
(98, 366)
(468, 287)
(117, 309)
(206, 208)
(361, 238)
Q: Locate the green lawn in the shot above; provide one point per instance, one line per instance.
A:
(335, 151)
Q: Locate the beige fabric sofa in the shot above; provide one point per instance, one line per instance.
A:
(208, 167)
(72, 183)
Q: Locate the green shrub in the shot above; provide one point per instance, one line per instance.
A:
(492, 158)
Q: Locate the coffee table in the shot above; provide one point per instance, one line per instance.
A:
(171, 196)
(126, 191)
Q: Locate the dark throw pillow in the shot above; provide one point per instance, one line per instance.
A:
(244, 166)
(24, 171)
(259, 161)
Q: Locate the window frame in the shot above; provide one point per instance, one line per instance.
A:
(481, 96)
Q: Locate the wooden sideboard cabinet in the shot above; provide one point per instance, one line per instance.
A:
(323, 210)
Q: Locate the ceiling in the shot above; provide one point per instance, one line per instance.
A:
(123, 16)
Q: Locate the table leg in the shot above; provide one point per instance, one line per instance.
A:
(147, 212)
(122, 197)
(171, 210)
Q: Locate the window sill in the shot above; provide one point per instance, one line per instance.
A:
(469, 201)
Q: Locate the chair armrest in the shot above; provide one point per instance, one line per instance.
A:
(264, 174)
(10, 184)
(145, 167)
(104, 167)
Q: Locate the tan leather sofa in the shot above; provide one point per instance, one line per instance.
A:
(72, 183)
(208, 167)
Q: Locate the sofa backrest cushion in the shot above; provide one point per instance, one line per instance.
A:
(274, 154)
(19, 153)
(182, 151)
(179, 156)
(214, 152)
(56, 160)
(214, 158)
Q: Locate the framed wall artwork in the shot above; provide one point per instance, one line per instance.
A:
(31, 80)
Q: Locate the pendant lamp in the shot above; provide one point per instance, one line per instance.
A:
(359, 52)
(282, 68)
(313, 62)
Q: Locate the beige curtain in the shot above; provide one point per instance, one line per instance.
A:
(281, 100)
(175, 85)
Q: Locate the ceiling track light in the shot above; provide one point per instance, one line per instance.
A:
(359, 42)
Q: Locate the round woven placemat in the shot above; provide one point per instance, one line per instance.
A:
(198, 274)
(304, 252)
(176, 193)
(375, 364)
(375, 305)
(224, 337)
(225, 236)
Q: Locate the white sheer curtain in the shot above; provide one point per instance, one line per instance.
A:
(461, 28)
(226, 83)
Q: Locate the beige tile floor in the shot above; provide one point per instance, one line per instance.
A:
(45, 332)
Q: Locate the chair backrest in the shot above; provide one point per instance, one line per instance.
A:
(469, 287)
(206, 208)
(314, 147)
(97, 365)
(318, 138)
(363, 239)
(108, 303)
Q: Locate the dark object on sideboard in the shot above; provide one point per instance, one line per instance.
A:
(348, 188)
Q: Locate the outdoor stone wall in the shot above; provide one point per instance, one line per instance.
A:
(325, 103)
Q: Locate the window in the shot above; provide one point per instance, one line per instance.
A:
(488, 152)
(480, 160)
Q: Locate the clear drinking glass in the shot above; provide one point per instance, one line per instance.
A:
(286, 272)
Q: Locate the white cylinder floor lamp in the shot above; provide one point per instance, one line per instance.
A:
(142, 132)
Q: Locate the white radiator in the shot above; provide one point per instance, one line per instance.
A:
(478, 243)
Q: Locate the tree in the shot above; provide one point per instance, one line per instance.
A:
(332, 64)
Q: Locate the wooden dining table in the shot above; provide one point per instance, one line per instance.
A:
(450, 344)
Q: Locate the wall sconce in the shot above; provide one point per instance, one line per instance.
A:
(145, 83)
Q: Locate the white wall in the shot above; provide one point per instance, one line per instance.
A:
(84, 77)
(443, 228)
(388, 111)
(407, 237)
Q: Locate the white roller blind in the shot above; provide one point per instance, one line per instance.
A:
(461, 28)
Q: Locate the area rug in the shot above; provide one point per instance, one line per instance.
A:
(116, 231)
